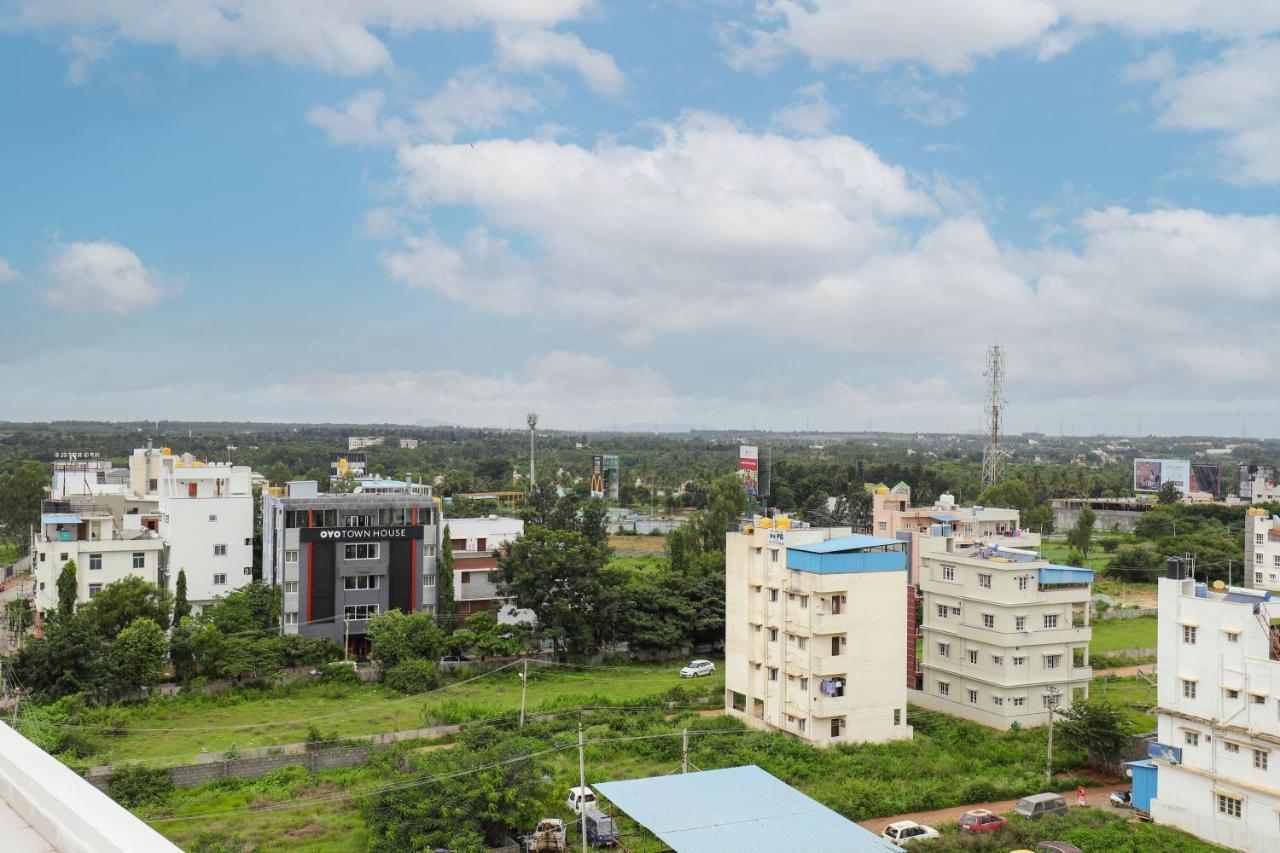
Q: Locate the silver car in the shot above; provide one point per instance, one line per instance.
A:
(697, 668)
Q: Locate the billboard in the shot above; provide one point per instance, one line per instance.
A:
(1205, 478)
(749, 468)
(1150, 475)
(611, 477)
(597, 476)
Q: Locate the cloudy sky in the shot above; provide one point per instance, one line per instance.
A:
(778, 214)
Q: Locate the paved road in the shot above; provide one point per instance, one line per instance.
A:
(940, 817)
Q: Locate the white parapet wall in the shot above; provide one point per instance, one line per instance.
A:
(69, 814)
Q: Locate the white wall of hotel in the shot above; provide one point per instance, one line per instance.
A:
(778, 674)
(1219, 714)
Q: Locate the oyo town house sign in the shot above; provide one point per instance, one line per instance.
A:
(359, 534)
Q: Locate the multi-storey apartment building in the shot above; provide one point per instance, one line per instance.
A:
(343, 558)
(1261, 550)
(475, 567)
(1218, 722)
(813, 629)
(163, 514)
(1005, 634)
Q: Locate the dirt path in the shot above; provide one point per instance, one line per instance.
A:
(939, 817)
(1140, 669)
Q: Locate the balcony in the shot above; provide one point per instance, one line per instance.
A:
(829, 623)
(829, 706)
(829, 664)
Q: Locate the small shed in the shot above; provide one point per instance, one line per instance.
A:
(743, 809)
(1145, 776)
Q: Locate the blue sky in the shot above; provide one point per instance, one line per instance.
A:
(779, 214)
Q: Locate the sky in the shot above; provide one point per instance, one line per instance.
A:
(784, 214)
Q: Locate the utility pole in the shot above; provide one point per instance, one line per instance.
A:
(684, 752)
(346, 637)
(524, 686)
(582, 787)
(532, 420)
(1048, 767)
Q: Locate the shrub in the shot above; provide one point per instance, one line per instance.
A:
(136, 786)
(338, 673)
(413, 676)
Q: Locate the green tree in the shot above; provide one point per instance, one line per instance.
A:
(136, 657)
(21, 491)
(254, 607)
(1169, 494)
(120, 603)
(854, 507)
(655, 614)
(68, 589)
(1011, 494)
(487, 638)
(1098, 727)
(399, 637)
(20, 617)
(181, 607)
(278, 474)
(1080, 537)
(446, 607)
(248, 656)
(207, 649)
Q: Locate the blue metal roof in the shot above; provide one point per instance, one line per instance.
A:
(743, 809)
(1052, 574)
(857, 542)
(60, 518)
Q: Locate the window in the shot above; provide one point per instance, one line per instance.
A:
(773, 635)
(948, 573)
(1257, 558)
(248, 570)
(773, 673)
(804, 602)
(1275, 561)
(94, 589)
(95, 562)
(1258, 700)
(1019, 661)
(291, 556)
(955, 610)
(1052, 661)
(1019, 701)
(988, 620)
(248, 541)
(139, 560)
(291, 618)
(219, 550)
(1231, 747)
(1047, 701)
(361, 582)
(897, 716)
(944, 688)
(359, 521)
(1229, 806)
(62, 558)
(1260, 759)
(1051, 620)
(837, 726)
(973, 655)
(838, 645)
(803, 641)
(213, 519)
(1022, 583)
(429, 581)
(984, 581)
(997, 660)
(1233, 638)
(1188, 689)
(290, 586)
(1258, 538)
(362, 551)
(354, 612)
(466, 577)
(773, 556)
(773, 595)
(1233, 694)
(943, 610)
(1188, 635)
(800, 724)
(973, 697)
(944, 650)
(997, 700)
(429, 550)
(1257, 577)
(1019, 623)
(220, 579)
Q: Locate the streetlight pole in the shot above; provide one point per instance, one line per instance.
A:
(1048, 766)
(582, 787)
(524, 686)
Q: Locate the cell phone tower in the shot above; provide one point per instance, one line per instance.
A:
(992, 454)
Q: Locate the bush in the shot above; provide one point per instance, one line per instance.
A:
(338, 673)
(137, 786)
(413, 676)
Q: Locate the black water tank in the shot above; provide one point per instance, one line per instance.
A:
(1175, 568)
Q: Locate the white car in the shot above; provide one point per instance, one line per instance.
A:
(697, 668)
(579, 799)
(908, 832)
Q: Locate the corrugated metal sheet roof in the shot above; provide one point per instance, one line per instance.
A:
(856, 542)
(60, 518)
(740, 809)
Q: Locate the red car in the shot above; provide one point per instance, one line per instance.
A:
(981, 820)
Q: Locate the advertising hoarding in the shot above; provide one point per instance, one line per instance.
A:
(1150, 475)
(749, 468)
(597, 476)
(612, 478)
(1205, 478)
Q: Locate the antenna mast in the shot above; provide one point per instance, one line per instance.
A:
(532, 419)
(992, 454)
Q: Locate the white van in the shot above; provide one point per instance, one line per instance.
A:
(579, 799)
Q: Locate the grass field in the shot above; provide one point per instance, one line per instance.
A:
(173, 731)
(1110, 635)
(1136, 695)
(638, 544)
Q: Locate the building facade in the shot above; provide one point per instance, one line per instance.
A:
(1218, 721)
(342, 559)
(1005, 634)
(1261, 550)
(807, 614)
(474, 541)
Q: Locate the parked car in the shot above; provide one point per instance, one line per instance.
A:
(908, 832)
(602, 831)
(697, 668)
(981, 820)
(1038, 805)
(1122, 799)
(579, 799)
(549, 837)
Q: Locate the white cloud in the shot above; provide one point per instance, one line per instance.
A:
(1237, 96)
(948, 36)
(1157, 66)
(357, 122)
(530, 49)
(85, 51)
(100, 276)
(333, 37)
(908, 93)
(570, 389)
(809, 113)
(8, 275)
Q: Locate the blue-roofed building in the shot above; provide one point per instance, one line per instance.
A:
(739, 809)
(816, 632)
(1005, 632)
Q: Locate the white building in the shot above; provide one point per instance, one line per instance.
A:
(1005, 634)
(359, 442)
(1262, 550)
(475, 568)
(1218, 719)
(408, 444)
(169, 513)
(815, 633)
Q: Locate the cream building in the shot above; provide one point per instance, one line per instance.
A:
(1261, 550)
(1218, 719)
(1005, 634)
(815, 633)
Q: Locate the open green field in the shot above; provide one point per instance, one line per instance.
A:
(1057, 552)
(166, 731)
(1110, 635)
(1134, 694)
